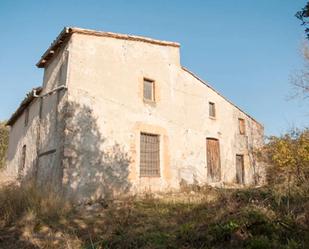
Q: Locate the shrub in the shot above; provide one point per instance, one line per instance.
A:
(289, 157)
(4, 140)
(288, 160)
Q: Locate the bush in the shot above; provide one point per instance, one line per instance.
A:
(4, 140)
(287, 157)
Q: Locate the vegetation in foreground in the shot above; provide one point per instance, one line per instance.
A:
(199, 217)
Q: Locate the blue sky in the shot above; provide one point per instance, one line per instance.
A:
(246, 49)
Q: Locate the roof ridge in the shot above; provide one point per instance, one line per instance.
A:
(64, 35)
(123, 36)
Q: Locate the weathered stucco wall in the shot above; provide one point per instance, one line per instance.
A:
(43, 135)
(20, 135)
(86, 138)
(108, 112)
(53, 107)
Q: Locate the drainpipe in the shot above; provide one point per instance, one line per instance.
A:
(50, 92)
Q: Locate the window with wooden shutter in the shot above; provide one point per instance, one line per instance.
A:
(242, 126)
(149, 155)
(212, 110)
(149, 90)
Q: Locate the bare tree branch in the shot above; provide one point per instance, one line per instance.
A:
(300, 80)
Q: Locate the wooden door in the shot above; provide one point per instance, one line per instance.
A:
(213, 160)
(240, 174)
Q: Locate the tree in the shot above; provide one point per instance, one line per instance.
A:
(301, 81)
(303, 15)
(4, 140)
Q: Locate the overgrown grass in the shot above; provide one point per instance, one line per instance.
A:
(238, 219)
(203, 218)
(24, 209)
(16, 201)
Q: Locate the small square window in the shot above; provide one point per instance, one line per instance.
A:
(242, 126)
(212, 110)
(149, 90)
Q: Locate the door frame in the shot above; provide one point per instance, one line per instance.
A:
(242, 167)
(213, 178)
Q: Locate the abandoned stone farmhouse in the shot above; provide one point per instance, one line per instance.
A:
(118, 113)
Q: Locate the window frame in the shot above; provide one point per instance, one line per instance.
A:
(153, 90)
(241, 180)
(214, 111)
(242, 126)
(143, 167)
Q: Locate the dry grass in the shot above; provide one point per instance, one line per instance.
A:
(198, 217)
(15, 201)
(24, 208)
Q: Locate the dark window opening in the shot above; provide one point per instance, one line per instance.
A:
(149, 155)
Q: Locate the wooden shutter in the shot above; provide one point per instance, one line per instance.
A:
(240, 174)
(242, 126)
(213, 160)
(149, 155)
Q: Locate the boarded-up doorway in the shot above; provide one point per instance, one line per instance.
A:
(213, 160)
(240, 173)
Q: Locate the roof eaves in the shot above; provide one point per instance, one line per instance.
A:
(23, 105)
(54, 47)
